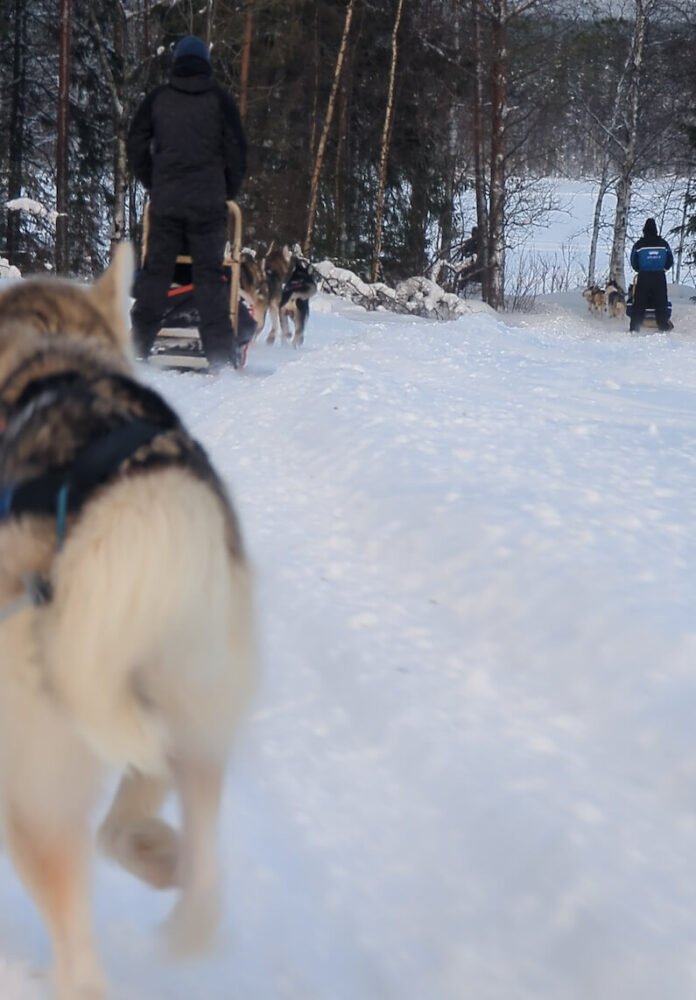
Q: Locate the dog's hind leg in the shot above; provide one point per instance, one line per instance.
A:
(273, 310)
(55, 869)
(301, 317)
(50, 782)
(133, 834)
(194, 919)
(47, 798)
(286, 335)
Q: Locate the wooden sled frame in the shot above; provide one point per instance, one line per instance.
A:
(233, 261)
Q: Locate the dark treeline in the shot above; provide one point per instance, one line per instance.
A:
(485, 91)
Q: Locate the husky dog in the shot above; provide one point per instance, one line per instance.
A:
(298, 290)
(254, 287)
(595, 298)
(126, 638)
(290, 287)
(615, 299)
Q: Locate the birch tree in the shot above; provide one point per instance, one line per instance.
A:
(120, 109)
(384, 146)
(479, 150)
(627, 140)
(328, 119)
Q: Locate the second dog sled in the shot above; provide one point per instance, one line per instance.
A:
(178, 344)
(649, 321)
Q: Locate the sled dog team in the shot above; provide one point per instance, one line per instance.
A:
(279, 288)
(610, 300)
(651, 258)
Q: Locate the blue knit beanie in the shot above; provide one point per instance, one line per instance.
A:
(191, 46)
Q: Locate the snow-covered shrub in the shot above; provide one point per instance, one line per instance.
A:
(8, 270)
(415, 296)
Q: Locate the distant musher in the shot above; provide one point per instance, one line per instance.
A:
(651, 256)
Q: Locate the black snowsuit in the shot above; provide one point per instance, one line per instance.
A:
(186, 145)
(651, 256)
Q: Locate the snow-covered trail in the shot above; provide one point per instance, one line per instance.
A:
(469, 768)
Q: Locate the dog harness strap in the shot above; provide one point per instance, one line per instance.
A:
(66, 489)
(6, 497)
(100, 459)
(37, 592)
(18, 604)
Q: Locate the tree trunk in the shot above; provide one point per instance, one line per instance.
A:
(321, 150)
(16, 127)
(246, 60)
(118, 227)
(628, 153)
(414, 257)
(62, 196)
(342, 167)
(682, 229)
(384, 147)
(499, 70)
(146, 26)
(453, 146)
(479, 157)
(208, 23)
(596, 222)
(117, 90)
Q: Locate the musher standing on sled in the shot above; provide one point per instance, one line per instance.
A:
(651, 256)
(186, 146)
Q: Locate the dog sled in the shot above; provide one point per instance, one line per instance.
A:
(649, 321)
(178, 344)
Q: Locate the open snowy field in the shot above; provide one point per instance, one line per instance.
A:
(471, 767)
(551, 249)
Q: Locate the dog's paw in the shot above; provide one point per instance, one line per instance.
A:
(191, 927)
(84, 984)
(147, 848)
(86, 991)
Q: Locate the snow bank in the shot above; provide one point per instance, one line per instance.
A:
(414, 296)
(8, 270)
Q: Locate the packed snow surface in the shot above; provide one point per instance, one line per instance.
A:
(470, 770)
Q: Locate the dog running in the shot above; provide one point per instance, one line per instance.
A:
(289, 285)
(126, 636)
(615, 299)
(595, 298)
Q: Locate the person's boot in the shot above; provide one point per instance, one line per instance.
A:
(143, 340)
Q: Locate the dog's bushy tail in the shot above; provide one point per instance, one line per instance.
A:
(148, 628)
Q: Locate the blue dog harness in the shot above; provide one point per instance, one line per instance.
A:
(65, 488)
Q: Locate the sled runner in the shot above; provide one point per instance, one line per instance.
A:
(178, 343)
(649, 321)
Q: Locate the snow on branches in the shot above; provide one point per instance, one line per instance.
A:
(415, 296)
(33, 208)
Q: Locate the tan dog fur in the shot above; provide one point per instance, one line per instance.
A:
(142, 662)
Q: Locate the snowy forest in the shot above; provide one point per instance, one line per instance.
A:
(368, 121)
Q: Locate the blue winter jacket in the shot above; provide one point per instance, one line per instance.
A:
(651, 253)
